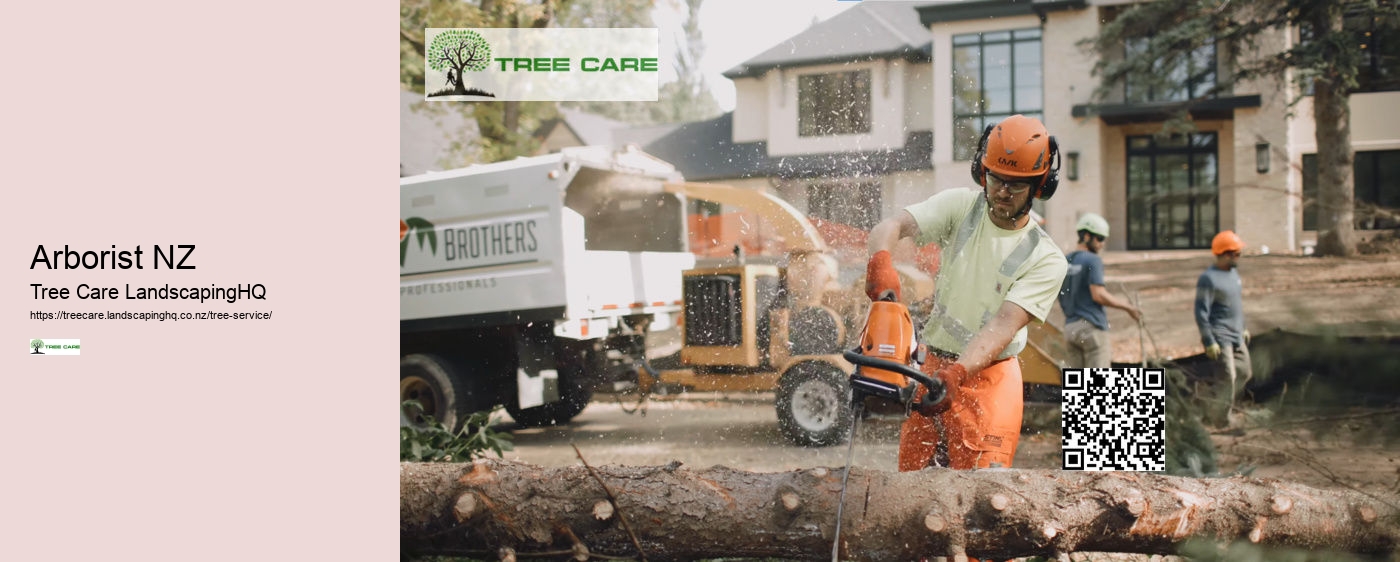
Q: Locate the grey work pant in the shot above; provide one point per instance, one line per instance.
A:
(1232, 370)
(1087, 345)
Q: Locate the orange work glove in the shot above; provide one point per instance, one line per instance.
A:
(952, 376)
(880, 276)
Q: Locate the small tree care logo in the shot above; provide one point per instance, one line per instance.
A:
(457, 51)
(416, 225)
(54, 347)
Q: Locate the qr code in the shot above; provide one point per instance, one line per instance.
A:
(1113, 419)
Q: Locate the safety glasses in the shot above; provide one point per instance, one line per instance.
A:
(1015, 187)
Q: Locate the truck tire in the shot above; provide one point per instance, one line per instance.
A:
(574, 396)
(814, 404)
(434, 384)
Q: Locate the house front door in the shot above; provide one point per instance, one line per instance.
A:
(1173, 191)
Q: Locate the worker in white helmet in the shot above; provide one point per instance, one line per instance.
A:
(1083, 297)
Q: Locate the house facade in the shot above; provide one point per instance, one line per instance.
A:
(835, 120)
(881, 106)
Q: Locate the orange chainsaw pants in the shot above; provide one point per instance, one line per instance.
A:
(983, 424)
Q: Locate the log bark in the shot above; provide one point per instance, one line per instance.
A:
(677, 513)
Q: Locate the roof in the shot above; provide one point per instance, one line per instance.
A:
(705, 150)
(601, 157)
(591, 129)
(596, 130)
(983, 9)
(869, 30)
(641, 135)
(426, 136)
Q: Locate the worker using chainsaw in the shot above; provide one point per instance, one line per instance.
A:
(998, 270)
(1084, 295)
(1220, 318)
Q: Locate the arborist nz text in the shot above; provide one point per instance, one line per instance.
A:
(171, 256)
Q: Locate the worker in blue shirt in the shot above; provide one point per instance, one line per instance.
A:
(1220, 317)
(1083, 297)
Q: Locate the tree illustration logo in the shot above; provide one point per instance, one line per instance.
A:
(36, 344)
(424, 230)
(456, 51)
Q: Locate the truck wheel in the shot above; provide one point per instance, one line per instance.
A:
(573, 398)
(431, 381)
(814, 404)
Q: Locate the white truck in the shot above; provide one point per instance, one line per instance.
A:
(532, 282)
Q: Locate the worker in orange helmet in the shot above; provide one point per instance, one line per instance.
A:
(1220, 319)
(998, 270)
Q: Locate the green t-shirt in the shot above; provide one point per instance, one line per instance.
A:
(983, 265)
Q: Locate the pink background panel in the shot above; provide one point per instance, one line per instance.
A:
(265, 134)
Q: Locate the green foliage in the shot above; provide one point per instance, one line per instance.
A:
(459, 49)
(434, 442)
(1164, 34)
(1190, 451)
(1244, 551)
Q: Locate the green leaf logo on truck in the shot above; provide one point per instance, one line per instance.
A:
(415, 225)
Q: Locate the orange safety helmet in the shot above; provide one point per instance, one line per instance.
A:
(1018, 147)
(1226, 241)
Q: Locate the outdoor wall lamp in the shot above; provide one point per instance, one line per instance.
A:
(1261, 157)
(1073, 171)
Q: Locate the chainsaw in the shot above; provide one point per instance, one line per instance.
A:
(886, 378)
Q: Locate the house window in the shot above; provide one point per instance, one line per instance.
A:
(1380, 52)
(852, 203)
(1172, 191)
(1186, 78)
(995, 75)
(836, 103)
(1376, 188)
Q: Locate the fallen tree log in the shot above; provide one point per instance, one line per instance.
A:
(498, 508)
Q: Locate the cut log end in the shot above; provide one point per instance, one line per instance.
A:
(1367, 513)
(791, 502)
(999, 502)
(1257, 533)
(935, 523)
(481, 474)
(1049, 531)
(1135, 505)
(1281, 505)
(819, 472)
(507, 554)
(602, 510)
(465, 507)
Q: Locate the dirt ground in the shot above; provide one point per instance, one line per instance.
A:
(1358, 448)
(1304, 294)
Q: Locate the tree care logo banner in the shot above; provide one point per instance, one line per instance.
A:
(508, 64)
(48, 346)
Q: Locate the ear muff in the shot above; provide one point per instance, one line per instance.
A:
(1052, 178)
(979, 173)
